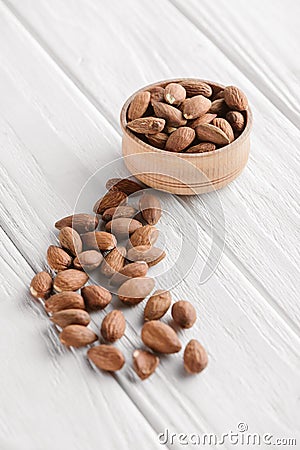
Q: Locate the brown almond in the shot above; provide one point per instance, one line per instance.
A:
(202, 147)
(118, 212)
(150, 208)
(96, 297)
(63, 301)
(158, 140)
(210, 133)
(132, 270)
(123, 227)
(205, 118)
(224, 126)
(70, 280)
(157, 94)
(219, 95)
(172, 115)
(71, 317)
(151, 256)
(184, 314)
(111, 199)
(139, 105)
(82, 223)
(157, 305)
(180, 139)
(106, 357)
(236, 120)
(235, 98)
(113, 262)
(160, 337)
(134, 291)
(218, 107)
(144, 363)
(70, 240)
(147, 125)
(174, 94)
(195, 107)
(41, 285)
(146, 235)
(124, 185)
(194, 87)
(99, 240)
(195, 357)
(58, 259)
(113, 326)
(88, 260)
(77, 336)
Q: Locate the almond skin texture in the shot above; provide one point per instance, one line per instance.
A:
(82, 223)
(111, 199)
(235, 98)
(236, 120)
(113, 326)
(41, 285)
(195, 107)
(151, 256)
(174, 94)
(88, 260)
(99, 240)
(144, 363)
(124, 185)
(118, 213)
(147, 125)
(157, 94)
(184, 314)
(146, 235)
(96, 297)
(139, 105)
(106, 357)
(77, 336)
(180, 139)
(160, 337)
(202, 148)
(158, 140)
(224, 126)
(134, 291)
(63, 301)
(172, 115)
(58, 259)
(195, 357)
(194, 87)
(71, 317)
(133, 270)
(205, 118)
(210, 133)
(70, 240)
(157, 305)
(150, 208)
(70, 280)
(123, 227)
(113, 262)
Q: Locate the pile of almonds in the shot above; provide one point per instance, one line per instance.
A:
(86, 247)
(188, 116)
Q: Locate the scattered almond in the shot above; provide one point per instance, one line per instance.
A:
(63, 301)
(135, 290)
(70, 240)
(118, 212)
(58, 259)
(146, 235)
(123, 227)
(82, 223)
(160, 337)
(71, 317)
(157, 305)
(113, 262)
(180, 139)
(184, 314)
(99, 240)
(147, 125)
(106, 357)
(124, 185)
(144, 363)
(77, 336)
(150, 208)
(195, 357)
(70, 280)
(132, 270)
(151, 256)
(96, 297)
(88, 260)
(113, 326)
(111, 199)
(139, 105)
(41, 285)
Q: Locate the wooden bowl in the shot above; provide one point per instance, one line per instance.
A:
(184, 173)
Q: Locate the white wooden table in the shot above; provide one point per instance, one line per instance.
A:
(66, 69)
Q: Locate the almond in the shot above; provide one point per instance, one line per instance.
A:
(194, 87)
(109, 200)
(106, 357)
(134, 291)
(236, 120)
(82, 223)
(123, 227)
(218, 95)
(151, 256)
(63, 301)
(180, 139)
(174, 93)
(96, 297)
(144, 363)
(157, 305)
(99, 240)
(205, 118)
(71, 317)
(150, 208)
(139, 105)
(195, 107)
(70, 280)
(113, 262)
(58, 259)
(118, 212)
(70, 240)
(158, 140)
(218, 107)
(201, 148)
(77, 336)
(146, 235)
(113, 326)
(41, 285)
(124, 185)
(157, 94)
(160, 337)
(133, 270)
(210, 133)
(224, 126)
(147, 125)
(88, 260)
(170, 130)
(184, 314)
(195, 357)
(172, 115)
(235, 98)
